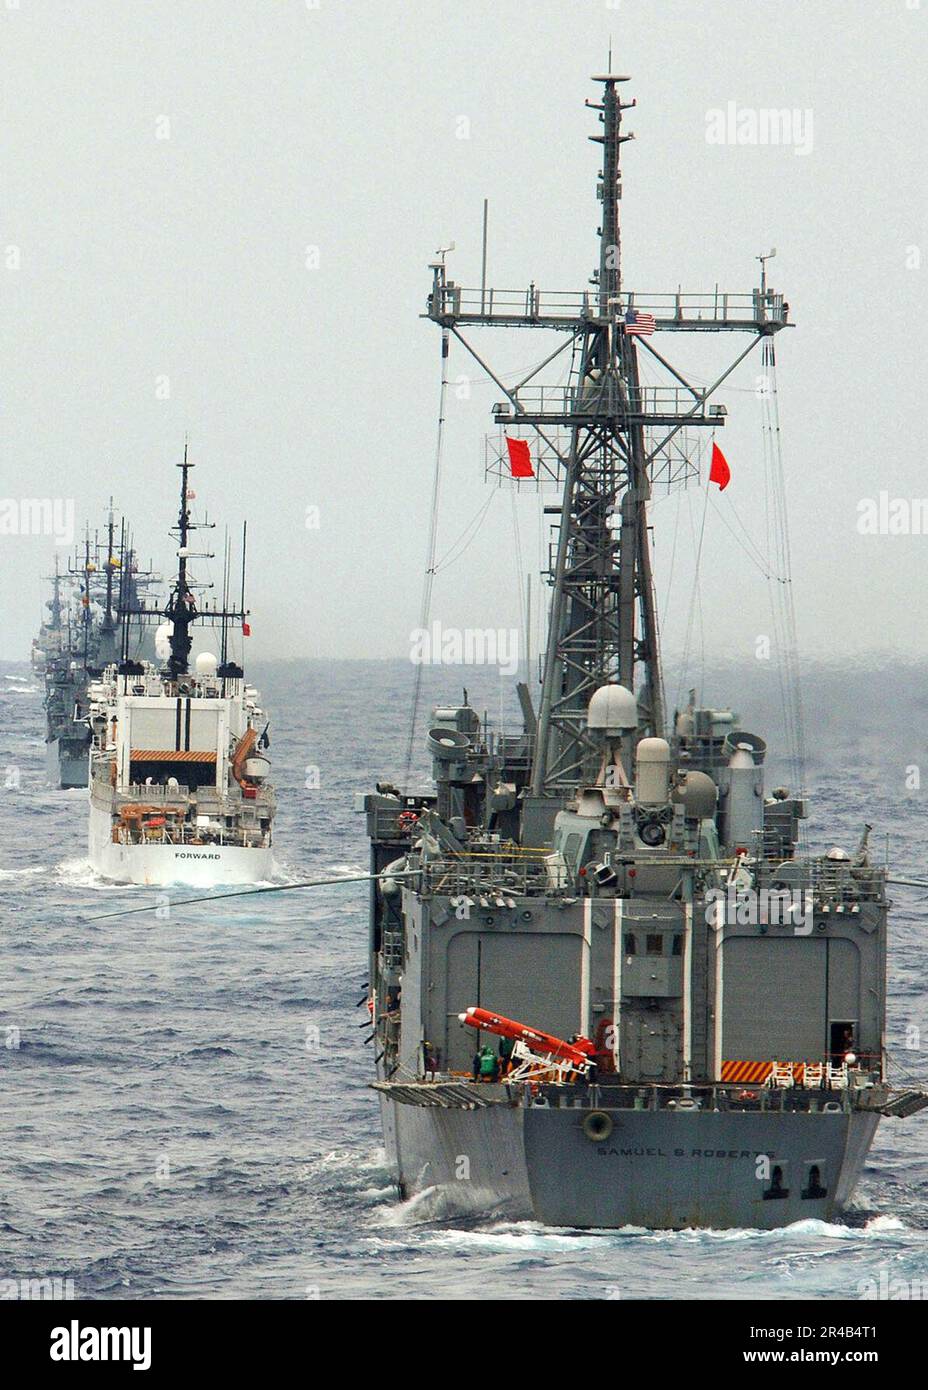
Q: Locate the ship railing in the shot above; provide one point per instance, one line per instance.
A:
(532, 305)
(156, 792)
(385, 824)
(683, 1098)
(837, 882)
(182, 834)
(143, 793)
(519, 746)
(842, 883)
(679, 1097)
(602, 398)
(385, 820)
(488, 873)
(172, 804)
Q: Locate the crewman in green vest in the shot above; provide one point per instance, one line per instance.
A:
(489, 1064)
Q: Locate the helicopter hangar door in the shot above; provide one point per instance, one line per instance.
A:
(499, 972)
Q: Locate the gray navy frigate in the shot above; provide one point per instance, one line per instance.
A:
(84, 631)
(608, 985)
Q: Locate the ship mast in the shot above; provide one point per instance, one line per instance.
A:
(610, 439)
(109, 624)
(86, 616)
(55, 606)
(181, 609)
(603, 623)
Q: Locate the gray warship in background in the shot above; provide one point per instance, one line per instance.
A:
(608, 987)
(82, 634)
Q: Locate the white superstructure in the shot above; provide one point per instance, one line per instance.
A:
(179, 789)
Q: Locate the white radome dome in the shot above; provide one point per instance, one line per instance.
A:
(163, 635)
(613, 709)
(206, 664)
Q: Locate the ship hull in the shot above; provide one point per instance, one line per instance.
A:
(152, 865)
(66, 766)
(658, 1170)
(472, 1160)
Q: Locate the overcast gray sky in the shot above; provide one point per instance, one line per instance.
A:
(243, 198)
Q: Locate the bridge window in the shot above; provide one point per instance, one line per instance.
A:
(654, 945)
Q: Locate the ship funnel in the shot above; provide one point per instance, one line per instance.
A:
(652, 772)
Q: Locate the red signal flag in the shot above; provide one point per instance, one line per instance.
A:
(520, 460)
(246, 629)
(719, 471)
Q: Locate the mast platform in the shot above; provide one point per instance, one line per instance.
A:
(451, 305)
(568, 405)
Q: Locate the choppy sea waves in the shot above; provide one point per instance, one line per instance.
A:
(171, 1128)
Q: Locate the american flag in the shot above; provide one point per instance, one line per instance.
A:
(638, 323)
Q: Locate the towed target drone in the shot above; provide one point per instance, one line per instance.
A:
(536, 1054)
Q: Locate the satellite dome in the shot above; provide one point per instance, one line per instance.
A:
(613, 709)
(698, 795)
(163, 641)
(206, 664)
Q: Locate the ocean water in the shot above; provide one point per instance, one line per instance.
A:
(171, 1129)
